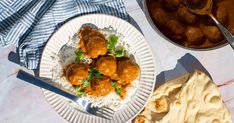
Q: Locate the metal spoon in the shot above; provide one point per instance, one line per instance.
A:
(206, 10)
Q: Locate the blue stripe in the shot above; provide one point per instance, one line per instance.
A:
(2, 40)
(37, 7)
(17, 4)
(76, 4)
(82, 7)
(13, 16)
(7, 8)
(15, 32)
(6, 23)
(31, 17)
(45, 31)
(7, 2)
(26, 21)
(29, 5)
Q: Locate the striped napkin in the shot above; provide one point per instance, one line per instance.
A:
(29, 23)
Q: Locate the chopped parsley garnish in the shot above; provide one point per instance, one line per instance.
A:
(118, 90)
(112, 41)
(96, 73)
(90, 77)
(85, 83)
(80, 92)
(119, 53)
(113, 84)
(79, 55)
(111, 46)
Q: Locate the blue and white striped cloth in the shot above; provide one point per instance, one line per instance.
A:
(29, 23)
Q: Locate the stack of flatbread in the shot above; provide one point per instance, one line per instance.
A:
(192, 98)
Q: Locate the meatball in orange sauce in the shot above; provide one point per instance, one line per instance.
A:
(75, 73)
(101, 87)
(127, 71)
(96, 46)
(106, 65)
(92, 42)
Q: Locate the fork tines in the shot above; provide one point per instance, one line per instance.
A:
(105, 112)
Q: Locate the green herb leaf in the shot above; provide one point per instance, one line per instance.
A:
(79, 55)
(90, 76)
(79, 91)
(85, 83)
(95, 72)
(118, 91)
(119, 53)
(112, 41)
(113, 84)
(98, 75)
(78, 88)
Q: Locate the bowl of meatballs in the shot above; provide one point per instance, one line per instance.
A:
(102, 59)
(178, 25)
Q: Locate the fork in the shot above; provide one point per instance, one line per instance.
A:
(103, 112)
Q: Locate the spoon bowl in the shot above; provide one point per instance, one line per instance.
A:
(204, 9)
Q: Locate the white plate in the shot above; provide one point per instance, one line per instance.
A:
(142, 54)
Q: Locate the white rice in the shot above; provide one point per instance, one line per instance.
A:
(67, 56)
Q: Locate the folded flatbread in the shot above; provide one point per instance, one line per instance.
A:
(192, 98)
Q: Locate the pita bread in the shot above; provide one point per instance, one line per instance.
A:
(192, 98)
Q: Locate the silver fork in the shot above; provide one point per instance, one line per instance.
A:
(103, 112)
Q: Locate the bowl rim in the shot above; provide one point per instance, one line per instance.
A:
(149, 19)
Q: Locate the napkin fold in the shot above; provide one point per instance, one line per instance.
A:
(29, 23)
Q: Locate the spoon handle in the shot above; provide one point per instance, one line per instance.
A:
(227, 34)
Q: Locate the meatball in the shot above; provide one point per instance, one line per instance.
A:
(92, 42)
(222, 15)
(213, 34)
(175, 30)
(75, 73)
(101, 87)
(106, 65)
(171, 5)
(96, 46)
(127, 71)
(159, 16)
(184, 15)
(194, 36)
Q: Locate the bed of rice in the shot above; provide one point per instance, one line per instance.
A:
(66, 56)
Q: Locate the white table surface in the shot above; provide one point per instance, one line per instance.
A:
(21, 102)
